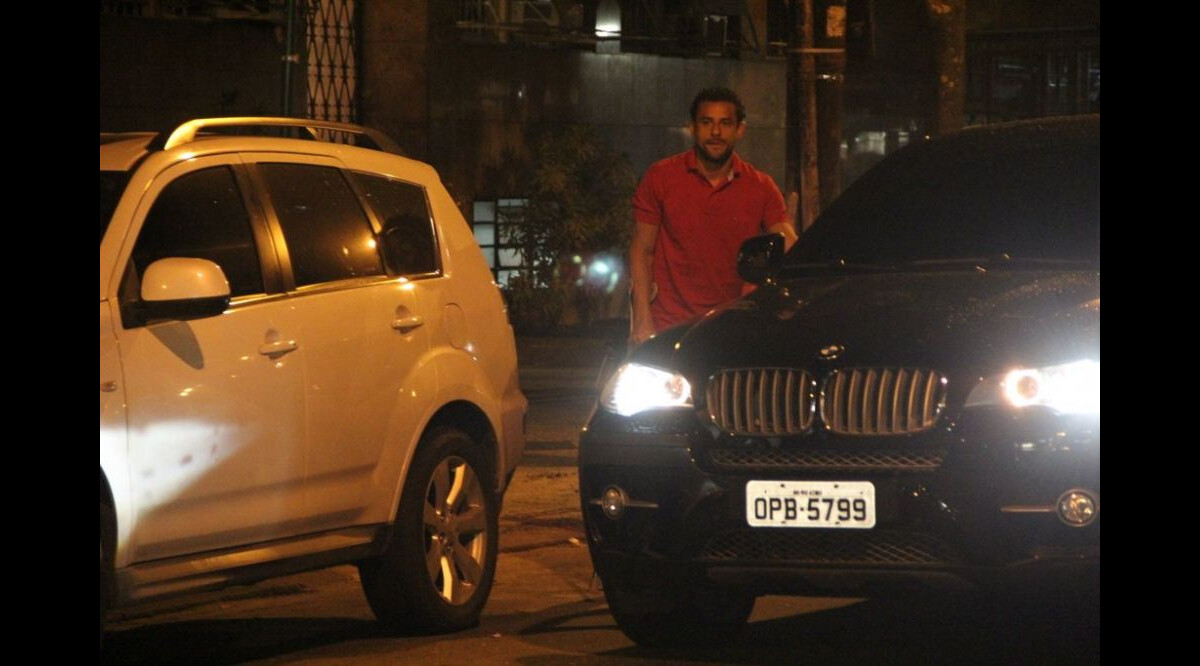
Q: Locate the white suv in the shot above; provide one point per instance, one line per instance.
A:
(303, 362)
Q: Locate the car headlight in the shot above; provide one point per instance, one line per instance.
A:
(636, 388)
(1070, 388)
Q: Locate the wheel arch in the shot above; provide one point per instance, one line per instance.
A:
(472, 420)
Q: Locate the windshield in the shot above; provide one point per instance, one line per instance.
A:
(1028, 193)
(112, 183)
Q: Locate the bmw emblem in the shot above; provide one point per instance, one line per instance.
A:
(830, 352)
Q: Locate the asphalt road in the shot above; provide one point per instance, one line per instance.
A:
(546, 609)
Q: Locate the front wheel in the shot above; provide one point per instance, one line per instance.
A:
(436, 574)
(677, 615)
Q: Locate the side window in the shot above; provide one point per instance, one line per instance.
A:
(327, 232)
(408, 237)
(202, 215)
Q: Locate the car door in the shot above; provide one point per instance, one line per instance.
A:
(215, 406)
(366, 336)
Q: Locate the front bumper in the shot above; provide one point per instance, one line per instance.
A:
(967, 505)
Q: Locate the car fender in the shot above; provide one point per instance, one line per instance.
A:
(461, 390)
(113, 434)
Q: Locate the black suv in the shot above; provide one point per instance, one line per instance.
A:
(909, 399)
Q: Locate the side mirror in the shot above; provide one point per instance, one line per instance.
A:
(183, 288)
(760, 257)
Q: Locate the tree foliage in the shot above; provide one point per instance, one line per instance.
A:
(578, 189)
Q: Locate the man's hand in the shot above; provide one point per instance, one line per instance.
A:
(639, 332)
(788, 226)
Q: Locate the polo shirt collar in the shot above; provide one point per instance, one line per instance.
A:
(692, 163)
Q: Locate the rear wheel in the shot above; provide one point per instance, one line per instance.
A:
(677, 615)
(436, 574)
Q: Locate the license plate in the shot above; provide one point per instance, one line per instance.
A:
(838, 504)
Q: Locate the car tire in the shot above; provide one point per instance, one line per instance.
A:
(677, 615)
(436, 573)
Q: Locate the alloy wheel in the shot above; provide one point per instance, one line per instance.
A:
(455, 525)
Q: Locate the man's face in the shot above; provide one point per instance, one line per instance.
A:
(716, 131)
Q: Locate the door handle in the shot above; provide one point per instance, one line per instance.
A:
(278, 348)
(408, 323)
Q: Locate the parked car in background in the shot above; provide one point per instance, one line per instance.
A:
(304, 362)
(910, 400)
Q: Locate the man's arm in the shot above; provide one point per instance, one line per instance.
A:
(641, 277)
(788, 226)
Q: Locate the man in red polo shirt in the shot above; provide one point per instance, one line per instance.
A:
(692, 212)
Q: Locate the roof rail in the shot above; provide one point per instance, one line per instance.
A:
(186, 133)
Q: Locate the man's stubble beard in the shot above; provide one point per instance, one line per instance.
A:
(720, 161)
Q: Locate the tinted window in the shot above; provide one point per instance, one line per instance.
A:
(408, 240)
(1031, 192)
(202, 215)
(328, 235)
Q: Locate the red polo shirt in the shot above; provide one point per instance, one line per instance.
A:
(700, 228)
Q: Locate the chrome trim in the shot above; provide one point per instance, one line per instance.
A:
(346, 283)
(761, 401)
(255, 299)
(1027, 508)
(881, 400)
(630, 503)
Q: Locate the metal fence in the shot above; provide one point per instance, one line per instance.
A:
(331, 42)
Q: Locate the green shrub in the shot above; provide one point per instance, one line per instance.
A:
(533, 307)
(578, 190)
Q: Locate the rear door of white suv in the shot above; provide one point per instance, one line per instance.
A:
(365, 331)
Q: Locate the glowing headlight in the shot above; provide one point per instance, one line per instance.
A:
(635, 388)
(1071, 388)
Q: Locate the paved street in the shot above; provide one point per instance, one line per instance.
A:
(544, 608)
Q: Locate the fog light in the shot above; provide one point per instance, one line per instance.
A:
(1078, 508)
(613, 502)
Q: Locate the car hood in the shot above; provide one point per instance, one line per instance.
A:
(985, 321)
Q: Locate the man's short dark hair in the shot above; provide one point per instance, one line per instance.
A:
(719, 95)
